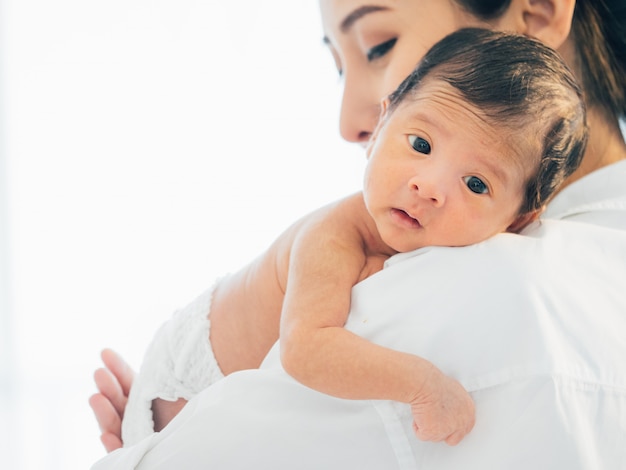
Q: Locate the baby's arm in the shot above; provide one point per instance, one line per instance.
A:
(245, 310)
(329, 255)
(246, 306)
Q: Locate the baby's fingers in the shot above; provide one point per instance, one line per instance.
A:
(450, 439)
(439, 429)
(456, 437)
(429, 434)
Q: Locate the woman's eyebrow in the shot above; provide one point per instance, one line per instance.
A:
(357, 14)
(354, 16)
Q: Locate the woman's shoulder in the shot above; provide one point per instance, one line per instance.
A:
(596, 198)
(546, 252)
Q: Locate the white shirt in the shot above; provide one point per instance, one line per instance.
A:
(598, 198)
(534, 326)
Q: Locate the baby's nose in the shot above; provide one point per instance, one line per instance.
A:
(428, 189)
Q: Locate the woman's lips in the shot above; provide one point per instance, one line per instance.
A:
(403, 219)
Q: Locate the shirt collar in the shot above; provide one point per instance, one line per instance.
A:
(603, 189)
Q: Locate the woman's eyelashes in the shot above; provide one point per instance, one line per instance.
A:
(476, 185)
(373, 54)
(380, 50)
(334, 56)
(419, 144)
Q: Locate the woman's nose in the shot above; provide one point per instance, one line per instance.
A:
(360, 110)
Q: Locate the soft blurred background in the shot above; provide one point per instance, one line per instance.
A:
(146, 147)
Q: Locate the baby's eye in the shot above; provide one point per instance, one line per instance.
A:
(380, 50)
(476, 185)
(419, 144)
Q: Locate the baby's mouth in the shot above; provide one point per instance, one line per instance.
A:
(404, 219)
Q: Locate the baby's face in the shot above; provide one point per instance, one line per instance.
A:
(438, 174)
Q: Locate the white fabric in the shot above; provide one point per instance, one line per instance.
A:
(179, 363)
(598, 198)
(533, 325)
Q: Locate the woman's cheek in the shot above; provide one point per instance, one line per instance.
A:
(403, 63)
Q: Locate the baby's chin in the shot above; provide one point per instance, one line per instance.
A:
(403, 244)
(407, 243)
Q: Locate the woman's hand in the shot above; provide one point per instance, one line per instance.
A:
(443, 410)
(113, 383)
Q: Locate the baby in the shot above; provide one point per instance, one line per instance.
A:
(473, 143)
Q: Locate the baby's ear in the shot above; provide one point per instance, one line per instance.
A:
(383, 115)
(522, 221)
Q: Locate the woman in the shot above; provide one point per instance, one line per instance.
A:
(375, 47)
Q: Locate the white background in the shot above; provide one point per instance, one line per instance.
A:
(146, 147)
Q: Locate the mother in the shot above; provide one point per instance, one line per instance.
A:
(554, 323)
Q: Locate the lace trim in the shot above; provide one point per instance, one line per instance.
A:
(179, 363)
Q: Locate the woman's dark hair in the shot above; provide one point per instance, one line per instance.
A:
(599, 31)
(519, 85)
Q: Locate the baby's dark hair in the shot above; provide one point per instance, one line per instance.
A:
(518, 84)
(599, 33)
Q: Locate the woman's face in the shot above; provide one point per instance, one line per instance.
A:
(377, 43)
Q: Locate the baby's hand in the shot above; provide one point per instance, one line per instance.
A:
(443, 411)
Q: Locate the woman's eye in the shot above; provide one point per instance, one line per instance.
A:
(420, 145)
(476, 185)
(380, 50)
(334, 56)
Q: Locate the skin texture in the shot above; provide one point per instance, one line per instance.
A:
(368, 76)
